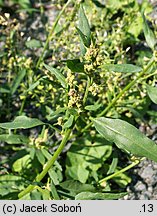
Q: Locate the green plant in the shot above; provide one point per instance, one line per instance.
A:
(91, 103)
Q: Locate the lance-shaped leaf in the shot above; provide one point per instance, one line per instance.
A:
(152, 92)
(21, 122)
(84, 30)
(99, 196)
(83, 37)
(53, 114)
(34, 85)
(18, 79)
(57, 74)
(33, 43)
(14, 139)
(69, 122)
(10, 184)
(148, 33)
(93, 107)
(122, 68)
(75, 187)
(126, 137)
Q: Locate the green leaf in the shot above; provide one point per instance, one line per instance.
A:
(28, 10)
(32, 152)
(58, 75)
(4, 90)
(55, 172)
(113, 165)
(45, 194)
(75, 187)
(53, 175)
(86, 155)
(75, 65)
(153, 116)
(83, 37)
(93, 107)
(33, 43)
(135, 27)
(122, 68)
(40, 156)
(84, 30)
(152, 92)
(36, 195)
(11, 184)
(18, 80)
(22, 163)
(122, 180)
(56, 175)
(14, 139)
(84, 24)
(46, 154)
(34, 85)
(22, 122)
(99, 196)
(72, 111)
(53, 114)
(54, 191)
(148, 33)
(69, 122)
(24, 3)
(126, 137)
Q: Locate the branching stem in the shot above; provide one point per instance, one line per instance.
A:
(126, 88)
(134, 163)
(48, 164)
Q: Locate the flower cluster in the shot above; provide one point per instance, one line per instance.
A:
(60, 121)
(70, 78)
(8, 23)
(92, 59)
(94, 89)
(21, 61)
(40, 141)
(75, 99)
(74, 96)
(3, 19)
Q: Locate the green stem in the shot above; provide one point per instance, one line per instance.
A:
(129, 86)
(87, 90)
(22, 106)
(119, 172)
(51, 33)
(146, 77)
(126, 88)
(48, 165)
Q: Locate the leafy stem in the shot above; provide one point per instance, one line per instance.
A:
(149, 75)
(134, 163)
(126, 88)
(51, 33)
(48, 164)
(22, 106)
